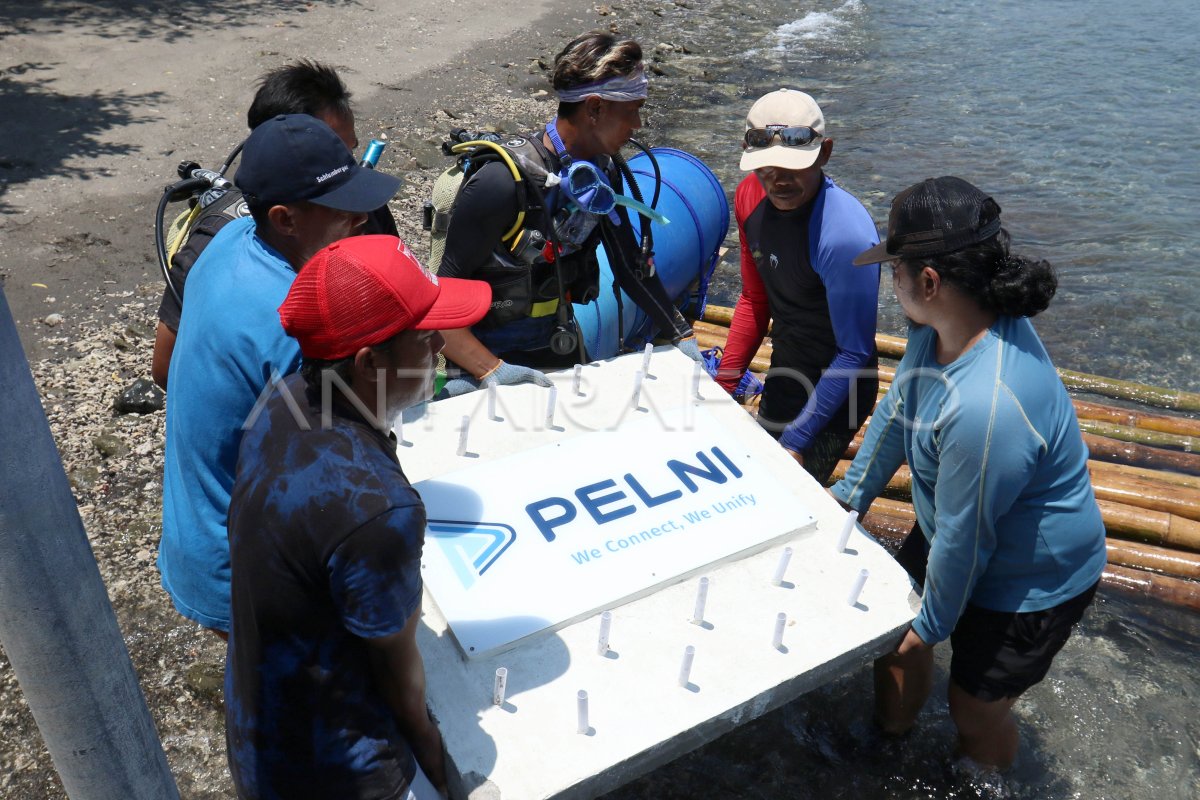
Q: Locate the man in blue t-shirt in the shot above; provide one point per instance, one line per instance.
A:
(325, 687)
(304, 190)
(799, 232)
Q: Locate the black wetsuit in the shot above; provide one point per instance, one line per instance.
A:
(485, 209)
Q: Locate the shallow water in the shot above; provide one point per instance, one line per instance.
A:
(1078, 116)
(1117, 718)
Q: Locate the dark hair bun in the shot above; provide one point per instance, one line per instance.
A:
(1021, 287)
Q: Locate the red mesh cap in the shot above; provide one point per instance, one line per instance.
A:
(364, 290)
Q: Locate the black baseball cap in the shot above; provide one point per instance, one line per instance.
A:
(295, 157)
(935, 217)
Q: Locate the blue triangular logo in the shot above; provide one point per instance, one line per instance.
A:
(470, 547)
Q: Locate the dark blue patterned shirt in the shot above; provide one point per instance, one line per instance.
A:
(325, 537)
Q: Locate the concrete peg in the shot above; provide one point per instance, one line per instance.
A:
(697, 370)
(605, 628)
(577, 380)
(551, 401)
(685, 669)
(860, 581)
(701, 599)
(638, 377)
(780, 624)
(501, 685)
(581, 708)
(781, 567)
(491, 398)
(847, 529)
(646, 354)
(462, 436)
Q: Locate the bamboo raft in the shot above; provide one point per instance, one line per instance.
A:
(1144, 465)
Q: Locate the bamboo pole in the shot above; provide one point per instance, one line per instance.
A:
(1153, 430)
(1101, 448)
(1125, 433)
(1153, 559)
(1161, 397)
(1122, 577)
(1137, 419)
(1120, 520)
(1158, 476)
(1157, 527)
(1175, 591)
(1129, 490)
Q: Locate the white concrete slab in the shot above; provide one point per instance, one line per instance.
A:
(541, 538)
(639, 716)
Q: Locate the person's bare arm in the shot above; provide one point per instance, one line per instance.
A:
(468, 352)
(164, 346)
(400, 675)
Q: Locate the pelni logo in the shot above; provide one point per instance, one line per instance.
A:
(470, 547)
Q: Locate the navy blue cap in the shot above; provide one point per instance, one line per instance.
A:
(295, 157)
(935, 217)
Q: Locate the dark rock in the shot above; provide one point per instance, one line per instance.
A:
(426, 158)
(140, 397)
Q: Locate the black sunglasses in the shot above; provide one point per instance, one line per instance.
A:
(789, 135)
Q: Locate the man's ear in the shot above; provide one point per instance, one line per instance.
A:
(283, 220)
(366, 367)
(826, 152)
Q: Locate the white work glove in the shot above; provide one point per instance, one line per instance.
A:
(504, 375)
(690, 348)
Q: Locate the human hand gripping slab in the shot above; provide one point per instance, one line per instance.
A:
(690, 348)
(504, 374)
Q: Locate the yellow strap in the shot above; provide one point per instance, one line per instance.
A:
(544, 309)
(512, 167)
(184, 229)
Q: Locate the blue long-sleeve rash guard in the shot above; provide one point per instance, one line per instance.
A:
(999, 476)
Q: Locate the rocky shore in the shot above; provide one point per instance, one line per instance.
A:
(85, 292)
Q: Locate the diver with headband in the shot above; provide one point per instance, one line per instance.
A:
(575, 202)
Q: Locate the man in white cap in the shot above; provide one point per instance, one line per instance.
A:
(799, 233)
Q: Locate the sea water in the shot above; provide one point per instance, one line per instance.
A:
(1081, 119)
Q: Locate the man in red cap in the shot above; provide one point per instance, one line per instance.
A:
(799, 232)
(325, 688)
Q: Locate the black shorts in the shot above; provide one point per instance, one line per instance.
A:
(1000, 654)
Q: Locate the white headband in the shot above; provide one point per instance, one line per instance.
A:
(621, 88)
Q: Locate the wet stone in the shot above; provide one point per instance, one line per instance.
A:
(134, 331)
(206, 680)
(109, 445)
(141, 397)
(83, 478)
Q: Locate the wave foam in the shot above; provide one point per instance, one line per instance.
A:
(817, 25)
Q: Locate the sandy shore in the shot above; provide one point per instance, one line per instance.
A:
(100, 103)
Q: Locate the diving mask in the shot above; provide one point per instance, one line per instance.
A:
(589, 189)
